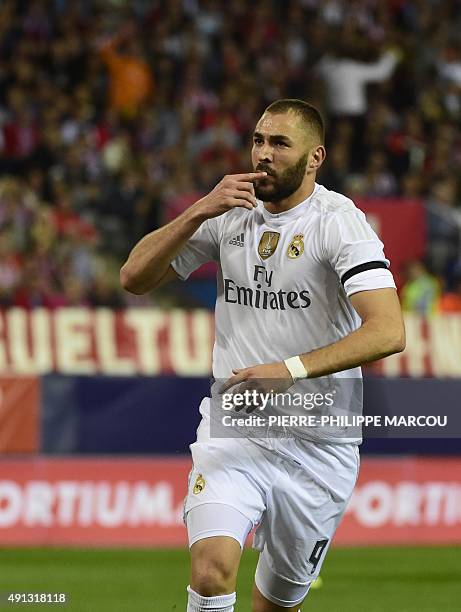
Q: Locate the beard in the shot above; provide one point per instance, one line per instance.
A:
(277, 187)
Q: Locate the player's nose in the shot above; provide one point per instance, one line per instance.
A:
(265, 154)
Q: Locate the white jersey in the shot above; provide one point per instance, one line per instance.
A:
(285, 279)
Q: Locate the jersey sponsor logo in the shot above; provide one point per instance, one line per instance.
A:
(268, 244)
(199, 484)
(238, 240)
(296, 247)
(259, 298)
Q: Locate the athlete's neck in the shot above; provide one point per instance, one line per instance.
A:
(301, 194)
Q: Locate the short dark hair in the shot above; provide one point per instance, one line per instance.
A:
(310, 116)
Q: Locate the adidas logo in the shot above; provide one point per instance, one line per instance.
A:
(238, 240)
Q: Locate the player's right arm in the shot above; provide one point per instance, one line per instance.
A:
(149, 264)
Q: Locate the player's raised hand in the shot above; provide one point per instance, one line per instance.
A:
(233, 191)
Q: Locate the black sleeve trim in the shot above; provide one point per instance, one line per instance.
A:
(370, 265)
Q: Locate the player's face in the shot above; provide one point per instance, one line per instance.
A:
(279, 148)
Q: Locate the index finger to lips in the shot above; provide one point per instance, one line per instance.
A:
(250, 176)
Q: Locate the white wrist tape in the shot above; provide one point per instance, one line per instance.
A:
(296, 368)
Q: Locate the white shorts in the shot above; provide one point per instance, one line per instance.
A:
(293, 491)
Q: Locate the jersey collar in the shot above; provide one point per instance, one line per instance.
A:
(289, 215)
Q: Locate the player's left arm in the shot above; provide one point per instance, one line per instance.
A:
(381, 333)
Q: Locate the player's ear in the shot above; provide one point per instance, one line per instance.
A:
(317, 157)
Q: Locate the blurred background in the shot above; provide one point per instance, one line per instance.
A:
(115, 116)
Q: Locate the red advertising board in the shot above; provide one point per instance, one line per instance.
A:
(405, 501)
(92, 502)
(138, 502)
(151, 342)
(19, 414)
(85, 341)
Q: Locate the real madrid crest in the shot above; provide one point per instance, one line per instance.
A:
(268, 244)
(296, 247)
(199, 484)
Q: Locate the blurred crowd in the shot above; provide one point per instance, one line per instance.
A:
(115, 115)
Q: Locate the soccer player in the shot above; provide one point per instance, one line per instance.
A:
(304, 292)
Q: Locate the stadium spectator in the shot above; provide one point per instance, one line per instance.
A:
(407, 144)
(10, 268)
(421, 290)
(131, 80)
(346, 78)
(376, 181)
(444, 226)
